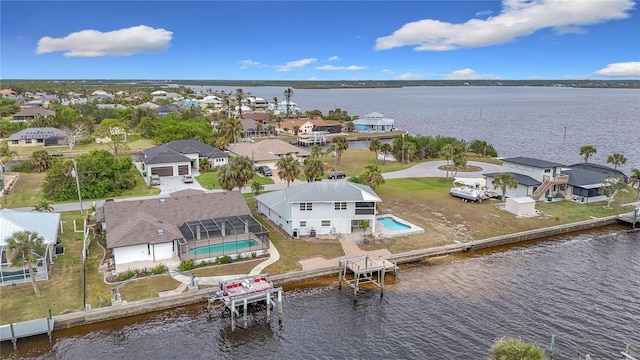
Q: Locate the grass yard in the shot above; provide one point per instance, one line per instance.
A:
(209, 180)
(27, 191)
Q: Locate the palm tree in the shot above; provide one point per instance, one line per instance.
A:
(634, 179)
(226, 177)
(24, 249)
(287, 97)
(313, 168)
(230, 129)
(515, 349)
(616, 159)
(315, 151)
(296, 130)
(41, 160)
(275, 103)
(288, 168)
(385, 149)
(242, 170)
(340, 144)
(256, 186)
(448, 152)
(587, 151)
(258, 128)
(44, 206)
(375, 145)
(504, 181)
(372, 177)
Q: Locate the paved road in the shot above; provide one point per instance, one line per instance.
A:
(173, 184)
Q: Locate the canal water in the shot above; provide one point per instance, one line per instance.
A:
(584, 288)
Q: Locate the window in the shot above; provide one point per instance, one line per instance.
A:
(365, 208)
(40, 141)
(27, 141)
(15, 142)
(340, 206)
(306, 206)
(303, 223)
(547, 170)
(325, 223)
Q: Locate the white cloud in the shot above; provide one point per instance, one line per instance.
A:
(408, 76)
(387, 71)
(334, 58)
(334, 68)
(122, 42)
(519, 18)
(484, 13)
(295, 64)
(249, 63)
(468, 74)
(628, 69)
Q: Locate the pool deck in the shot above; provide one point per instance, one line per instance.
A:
(385, 233)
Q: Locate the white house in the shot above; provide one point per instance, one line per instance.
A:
(536, 178)
(320, 207)
(188, 225)
(45, 224)
(178, 157)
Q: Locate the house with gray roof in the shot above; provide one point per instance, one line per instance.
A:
(536, 178)
(320, 207)
(374, 122)
(30, 113)
(188, 225)
(180, 156)
(585, 181)
(45, 136)
(45, 224)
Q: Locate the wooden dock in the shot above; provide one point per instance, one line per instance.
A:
(239, 293)
(632, 218)
(24, 329)
(359, 270)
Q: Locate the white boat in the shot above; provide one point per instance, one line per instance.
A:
(468, 193)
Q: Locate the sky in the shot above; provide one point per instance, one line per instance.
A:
(320, 40)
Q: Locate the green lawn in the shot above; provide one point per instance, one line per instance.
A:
(209, 180)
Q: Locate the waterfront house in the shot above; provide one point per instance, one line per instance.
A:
(304, 126)
(268, 152)
(46, 136)
(374, 122)
(45, 224)
(536, 178)
(188, 225)
(320, 207)
(178, 157)
(30, 113)
(585, 180)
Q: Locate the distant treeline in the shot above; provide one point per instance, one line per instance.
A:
(626, 84)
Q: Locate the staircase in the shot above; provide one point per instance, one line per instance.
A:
(548, 181)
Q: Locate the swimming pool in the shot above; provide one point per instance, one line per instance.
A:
(234, 246)
(392, 224)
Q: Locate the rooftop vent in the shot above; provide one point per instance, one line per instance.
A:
(160, 231)
(162, 201)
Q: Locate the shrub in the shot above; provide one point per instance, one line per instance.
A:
(127, 274)
(186, 265)
(238, 257)
(515, 349)
(204, 263)
(159, 269)
(254, 255)
(224, 260)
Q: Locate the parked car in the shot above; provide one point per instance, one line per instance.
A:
(109, 200)
(336, 175)
(187, 179)
(154, 180)
(265, 170)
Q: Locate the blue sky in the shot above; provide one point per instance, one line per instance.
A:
(320, 40)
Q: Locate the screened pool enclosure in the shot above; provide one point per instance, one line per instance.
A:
(212, 238)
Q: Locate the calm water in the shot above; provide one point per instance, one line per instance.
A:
(517, 121)
(584, 288)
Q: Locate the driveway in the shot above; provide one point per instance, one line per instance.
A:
(170, 184)
(430, 169)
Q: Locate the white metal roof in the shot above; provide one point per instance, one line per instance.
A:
(44, 223)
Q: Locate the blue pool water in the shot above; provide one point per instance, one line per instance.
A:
(225, 247)
(392, 224)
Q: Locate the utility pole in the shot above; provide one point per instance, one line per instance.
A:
(76, 175)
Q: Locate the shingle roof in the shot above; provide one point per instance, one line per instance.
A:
(584, 174)
(267, 150)
(33, 111)
(521, 179)
(137, 222)
(174, 152)
(532, 162)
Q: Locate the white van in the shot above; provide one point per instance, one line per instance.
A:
(154, 180)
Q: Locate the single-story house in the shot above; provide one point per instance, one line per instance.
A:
(147, 105)
(30, 113)
(252, 128)
(268, 152)
(320, 207)
(45, 224)
(585, 180)
(46, 136)
(110, 106)
(188, 225)
(165, 109)
(374, 122)
(178, 157)
(536, 178)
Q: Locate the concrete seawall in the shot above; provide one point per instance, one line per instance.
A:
(200, 296)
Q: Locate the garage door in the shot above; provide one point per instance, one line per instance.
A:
(183, 169)
(162, 171)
